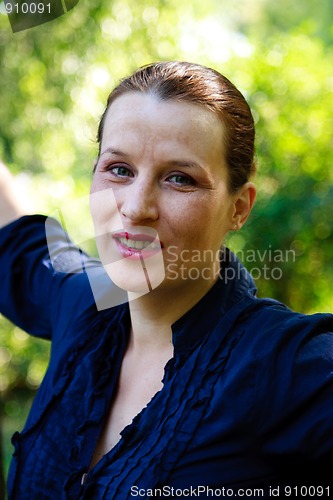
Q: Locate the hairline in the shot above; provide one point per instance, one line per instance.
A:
(155, 93)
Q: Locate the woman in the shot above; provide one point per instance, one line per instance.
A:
(193, 387)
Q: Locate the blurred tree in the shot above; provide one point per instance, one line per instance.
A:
(292, 99)
(285, 16)
(2, 472)
(54, 82)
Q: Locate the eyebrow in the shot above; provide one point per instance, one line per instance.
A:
(114, 152)
(186, 164)
(176, 163)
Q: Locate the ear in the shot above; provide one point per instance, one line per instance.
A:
(244, 200)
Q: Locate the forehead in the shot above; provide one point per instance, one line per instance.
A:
(136, 117)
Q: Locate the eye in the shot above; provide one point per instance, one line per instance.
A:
(120, 171)
(181, 180)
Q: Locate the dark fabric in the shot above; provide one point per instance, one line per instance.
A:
(247, 400)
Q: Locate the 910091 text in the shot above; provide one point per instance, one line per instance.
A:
(28, 8)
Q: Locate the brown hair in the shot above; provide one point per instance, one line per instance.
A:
(184, 81)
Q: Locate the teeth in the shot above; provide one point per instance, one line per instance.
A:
(138, 245)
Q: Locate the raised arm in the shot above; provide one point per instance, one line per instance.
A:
(11, 204)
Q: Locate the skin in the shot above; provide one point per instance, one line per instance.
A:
(163, 161)
(162, 165)
(11, 205)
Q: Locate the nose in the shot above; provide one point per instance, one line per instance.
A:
(140, 202)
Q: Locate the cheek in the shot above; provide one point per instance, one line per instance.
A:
(104, 211)
(96, 183)
(194, 225)
(210, 230)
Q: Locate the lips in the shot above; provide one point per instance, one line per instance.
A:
(132, 245)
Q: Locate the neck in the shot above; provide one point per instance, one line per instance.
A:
(153, 314)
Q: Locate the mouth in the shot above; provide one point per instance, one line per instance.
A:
(133, 245)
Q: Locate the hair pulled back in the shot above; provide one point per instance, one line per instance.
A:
(189, 82)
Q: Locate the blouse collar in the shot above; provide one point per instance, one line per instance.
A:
(233, 284)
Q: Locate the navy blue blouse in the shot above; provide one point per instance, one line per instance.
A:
(247, 399)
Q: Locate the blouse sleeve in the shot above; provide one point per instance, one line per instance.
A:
(296, 414)
(34, 292)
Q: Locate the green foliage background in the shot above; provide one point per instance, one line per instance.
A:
(54, 82)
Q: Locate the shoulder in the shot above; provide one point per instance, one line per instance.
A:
(271, 318)
(278, 343)
(291, 350)
(49, 284)
(292, 362)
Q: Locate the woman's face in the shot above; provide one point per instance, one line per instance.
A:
(159, 198)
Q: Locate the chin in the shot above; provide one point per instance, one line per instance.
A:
(137, 276)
